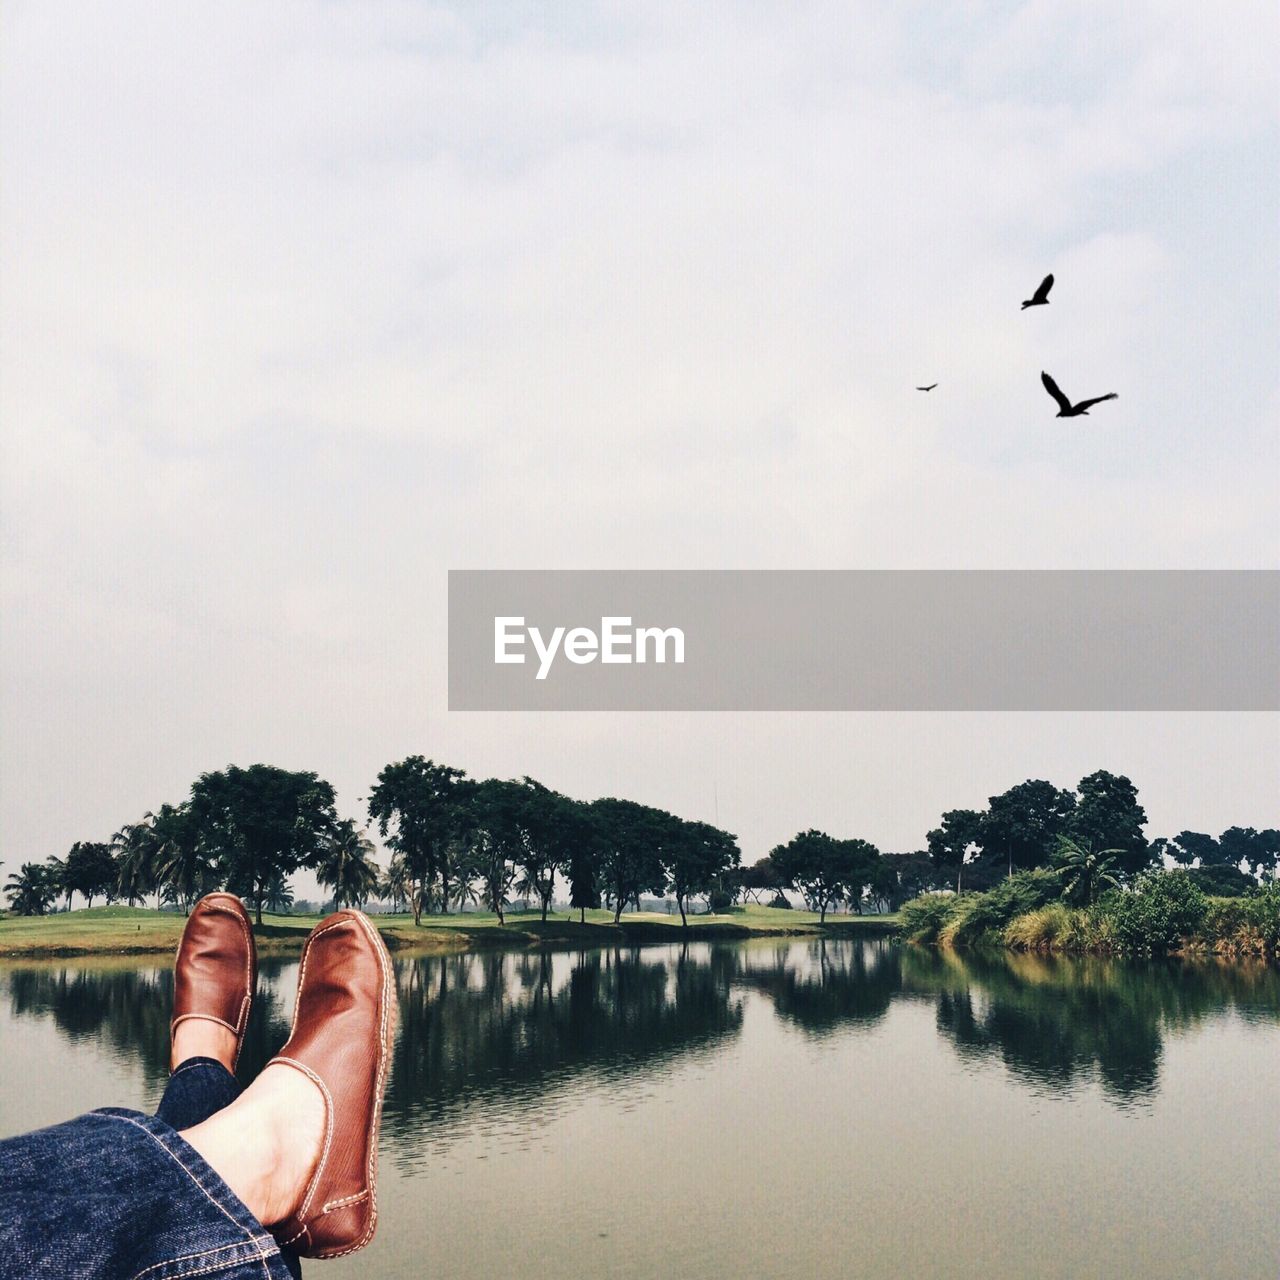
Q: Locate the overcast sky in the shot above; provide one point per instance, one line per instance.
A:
(305, 304)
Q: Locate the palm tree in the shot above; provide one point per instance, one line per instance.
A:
(31, 889)
(397, 884)
(137, 848)
(1085, 871)
(56, 869)
(346, 866)
(185, 870)
(277, 895)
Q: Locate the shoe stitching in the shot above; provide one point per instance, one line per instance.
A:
(250, 958)
(329, 1127)
(330, 1113)
(205, 1017)
(250, 964)
(384, 962)
(345, 1201)
(384, 965)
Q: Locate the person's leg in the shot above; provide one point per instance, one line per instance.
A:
(202, 1084)
(115, 1195)
(197, 1089)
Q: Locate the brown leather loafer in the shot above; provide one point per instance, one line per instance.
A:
(217, 966)
(343, 1025)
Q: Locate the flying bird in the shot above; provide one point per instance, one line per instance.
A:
(930, 387)
(1065, 408)
(1041, 296)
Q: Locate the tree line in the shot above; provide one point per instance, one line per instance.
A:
(452, 839)
(455, 840)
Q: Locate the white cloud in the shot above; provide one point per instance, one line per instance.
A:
(305, 304)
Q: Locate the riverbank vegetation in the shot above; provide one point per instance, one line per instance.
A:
(450, 842)
(1160, 913)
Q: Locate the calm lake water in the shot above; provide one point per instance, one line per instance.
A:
(762, 1109)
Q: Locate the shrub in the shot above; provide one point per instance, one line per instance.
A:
(922, 918)
(1248, 925)
(1264, 915)
(1163, 908)
(718, 901)
(1049, 928)
(982, 917)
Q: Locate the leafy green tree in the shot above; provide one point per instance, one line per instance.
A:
(1163, 907)
(760, 877)
(1085, 872)
(32, 889)
(952, 844)
(346, 866)
(1021, 826)
(1259, 850)
(882, 886)
(1108, 816)
(56, 870)
(1187, 846)
(553, 827)
(825, 870)
(913, 874)
(1222, 880)
(694, 855)
(260, 821)
(629, 838)
(416, 805)
(498, 840)
(89, 870)
(584, 892)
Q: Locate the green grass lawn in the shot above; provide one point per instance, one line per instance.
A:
(140, 930)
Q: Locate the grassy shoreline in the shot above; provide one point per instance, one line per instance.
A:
(1162, 914)
(143, 931)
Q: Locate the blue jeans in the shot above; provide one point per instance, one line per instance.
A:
(116, 1195)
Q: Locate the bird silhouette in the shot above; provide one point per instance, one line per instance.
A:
(930, 387)
(1065, 408)
(1041, 296)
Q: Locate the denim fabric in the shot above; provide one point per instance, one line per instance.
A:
(116, 1195)
(198, 1088)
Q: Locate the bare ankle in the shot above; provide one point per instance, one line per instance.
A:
(265, 1146)
(202, 1038)
(292, 1113)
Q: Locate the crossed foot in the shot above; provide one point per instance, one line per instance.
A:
(299, 1145)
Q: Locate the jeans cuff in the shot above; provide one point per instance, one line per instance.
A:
(193, 1064)
(258, 1244)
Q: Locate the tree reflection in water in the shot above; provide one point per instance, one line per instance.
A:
(124, 1008)
(502, 1033)
(510, 1030)
(823, 986)
(1062, 1021)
